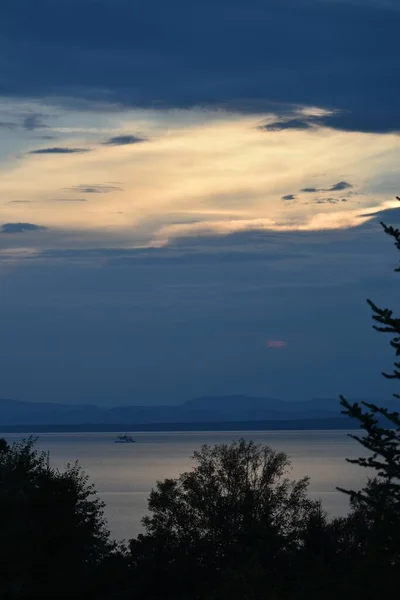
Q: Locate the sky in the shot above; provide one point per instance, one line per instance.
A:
(190, 198)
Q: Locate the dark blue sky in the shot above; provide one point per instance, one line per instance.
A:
(184, 184)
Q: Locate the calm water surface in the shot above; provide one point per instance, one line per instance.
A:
(124, 474)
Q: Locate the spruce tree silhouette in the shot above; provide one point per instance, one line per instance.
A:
(375, 509)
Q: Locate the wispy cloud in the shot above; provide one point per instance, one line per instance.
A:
(342, 185)
(124, 140)
(202, 173)
(330, 200)
(8, 125)
(69, 200)
(336, 187)
(296, 124)
(100, 188)
(20, 227)
(59, 150)
(33, 121)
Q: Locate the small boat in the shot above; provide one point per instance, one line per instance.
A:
(124, 439)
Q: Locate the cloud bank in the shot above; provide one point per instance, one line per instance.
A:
(265, 50)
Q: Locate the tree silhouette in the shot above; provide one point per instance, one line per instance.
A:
(236, 514)
(377, 505)
(53, 535)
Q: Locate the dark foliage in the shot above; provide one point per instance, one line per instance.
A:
(377, 505)
(232, 527)
(53, 537)
(381, 427)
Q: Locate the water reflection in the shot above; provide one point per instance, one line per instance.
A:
(125, 474)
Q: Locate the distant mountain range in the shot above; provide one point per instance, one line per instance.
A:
(207, 410)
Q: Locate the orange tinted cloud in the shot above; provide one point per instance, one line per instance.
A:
(276, 344)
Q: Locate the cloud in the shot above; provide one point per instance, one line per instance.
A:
(289, 197)
(94, 189)
(255, 64)
(276, 344)
(20, 119)
(32, 122)
(124, 140)
(211, 178)
(59, 150)
(20, 227)
(336, 187)
(364, 119)
(327, 201)
(342, 185)
(158, 308)
(69, 200)
(343, 120)
(8, 125)
(296, 124)
(251, 247)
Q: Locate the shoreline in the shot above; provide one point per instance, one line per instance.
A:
(329, 424)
